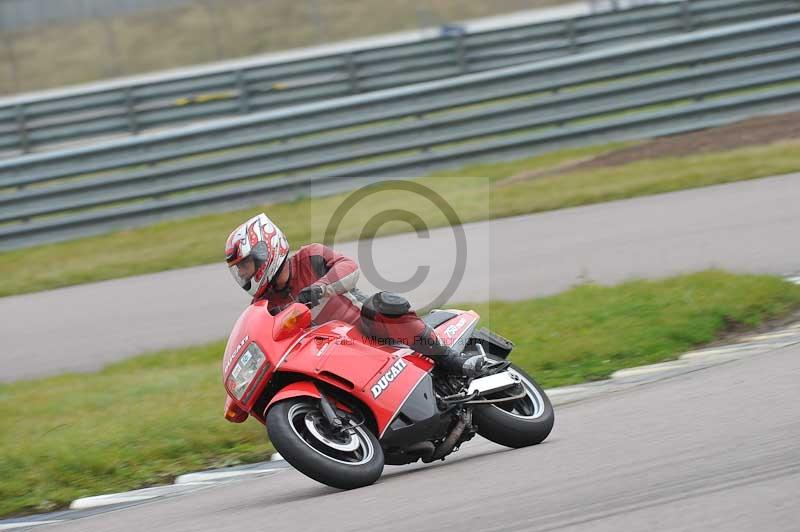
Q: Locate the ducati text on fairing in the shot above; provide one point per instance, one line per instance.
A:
(387, 378)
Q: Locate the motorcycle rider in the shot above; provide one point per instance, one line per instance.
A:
(257, 254)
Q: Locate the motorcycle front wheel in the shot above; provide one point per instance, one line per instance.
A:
(519, 423)
(301, 434)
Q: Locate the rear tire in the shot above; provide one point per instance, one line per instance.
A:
(520, 423)
(298, 431)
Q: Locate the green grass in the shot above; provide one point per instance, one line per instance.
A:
(146, 420)
(136, 423)
(476, 193)
(591, 331)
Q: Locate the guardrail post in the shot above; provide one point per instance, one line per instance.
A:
(570, 31)
(686, 16)
(461, 59)
(456, 34)
(22, 131)
(352, 72)
(420, 117)
(130, 111)
(244, 94)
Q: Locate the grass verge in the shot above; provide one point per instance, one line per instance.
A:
(201, 31)
(477, 192)
(145, 420)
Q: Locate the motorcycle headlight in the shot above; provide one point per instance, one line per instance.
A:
(245, 370)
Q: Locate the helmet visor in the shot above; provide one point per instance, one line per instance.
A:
(243, 272)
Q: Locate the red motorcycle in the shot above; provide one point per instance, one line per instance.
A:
(338, 405)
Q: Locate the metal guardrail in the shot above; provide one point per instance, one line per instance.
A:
(653, 88)
(42, 122)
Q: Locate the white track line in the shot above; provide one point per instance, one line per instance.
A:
(135, 495)
(566, 390)
(647, 370)
(773, 335)
(723, 351)
(262, 468)
(20, 524)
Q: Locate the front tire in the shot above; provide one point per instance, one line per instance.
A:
(300, 433)
(520, 423)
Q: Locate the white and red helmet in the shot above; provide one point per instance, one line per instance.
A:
(255, 251)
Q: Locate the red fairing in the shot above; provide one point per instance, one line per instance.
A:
(337, 353)
(296, 389)
(256, 325)
(380, 376)
(248, 322)
(452, 330)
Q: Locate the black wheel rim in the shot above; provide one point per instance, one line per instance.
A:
(352, 447)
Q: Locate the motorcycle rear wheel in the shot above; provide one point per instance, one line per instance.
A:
(519, 423)
(302, 435)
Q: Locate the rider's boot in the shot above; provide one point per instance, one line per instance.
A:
(470, 366)
(452, 361)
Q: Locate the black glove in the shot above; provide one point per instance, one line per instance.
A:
(310, 295)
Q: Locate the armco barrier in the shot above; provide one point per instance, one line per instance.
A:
(656, 87)
(86, 115)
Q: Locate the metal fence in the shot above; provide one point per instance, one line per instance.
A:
(657, 87)
(35, 123)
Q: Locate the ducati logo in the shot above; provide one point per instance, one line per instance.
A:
(387, 378)
(236, 352)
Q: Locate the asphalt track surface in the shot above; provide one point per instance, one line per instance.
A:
(714, 449)
(750, 226)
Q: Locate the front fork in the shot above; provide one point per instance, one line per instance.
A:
(338, 419)
(329, 412)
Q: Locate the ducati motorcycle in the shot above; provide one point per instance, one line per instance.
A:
(339, 405)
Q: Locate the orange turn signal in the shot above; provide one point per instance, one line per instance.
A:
(290, 321)
(234, 414)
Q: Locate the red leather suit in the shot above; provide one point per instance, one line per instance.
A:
(336, 274)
